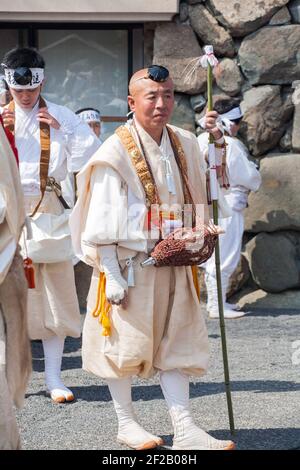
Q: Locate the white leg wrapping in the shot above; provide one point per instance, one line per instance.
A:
(175, 387)
(212, 298)
(212, 293)
(53, 351)
(129, 430)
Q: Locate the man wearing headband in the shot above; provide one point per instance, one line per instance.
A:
(93, 118)
(243, 178)
(53, 309)
(144, 320)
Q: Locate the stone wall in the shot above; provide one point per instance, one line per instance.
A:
(258, 45)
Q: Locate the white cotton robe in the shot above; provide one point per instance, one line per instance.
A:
(163, 326)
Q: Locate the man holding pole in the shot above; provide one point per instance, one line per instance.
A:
(151, 317)
(243, 177)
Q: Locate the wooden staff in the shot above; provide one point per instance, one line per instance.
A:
(209, 61)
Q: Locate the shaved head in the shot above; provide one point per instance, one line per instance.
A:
(151, 101)
(138, 81)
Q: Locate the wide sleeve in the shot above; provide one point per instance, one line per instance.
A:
(106, 203)
(81, 142)
(114, 215)
(242, 172)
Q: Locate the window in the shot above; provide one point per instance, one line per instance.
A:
(9, 39)
(85, 66)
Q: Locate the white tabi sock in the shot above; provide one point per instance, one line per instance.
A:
(175, 387)
(53, 351)
(129, 431)
(212, 299)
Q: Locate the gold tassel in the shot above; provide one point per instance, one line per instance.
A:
(103, 307)
(196, 281)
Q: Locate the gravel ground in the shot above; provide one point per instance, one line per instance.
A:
(265, 392)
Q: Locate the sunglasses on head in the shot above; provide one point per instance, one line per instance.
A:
(157, 73)
(23, 75)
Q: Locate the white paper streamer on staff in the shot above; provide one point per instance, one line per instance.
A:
(194, 64)
(208, 57)
(213, 172)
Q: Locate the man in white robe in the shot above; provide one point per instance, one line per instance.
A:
(53, 311)
(243, 177)
(92, 118)
(15, 354)
(151, 317)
